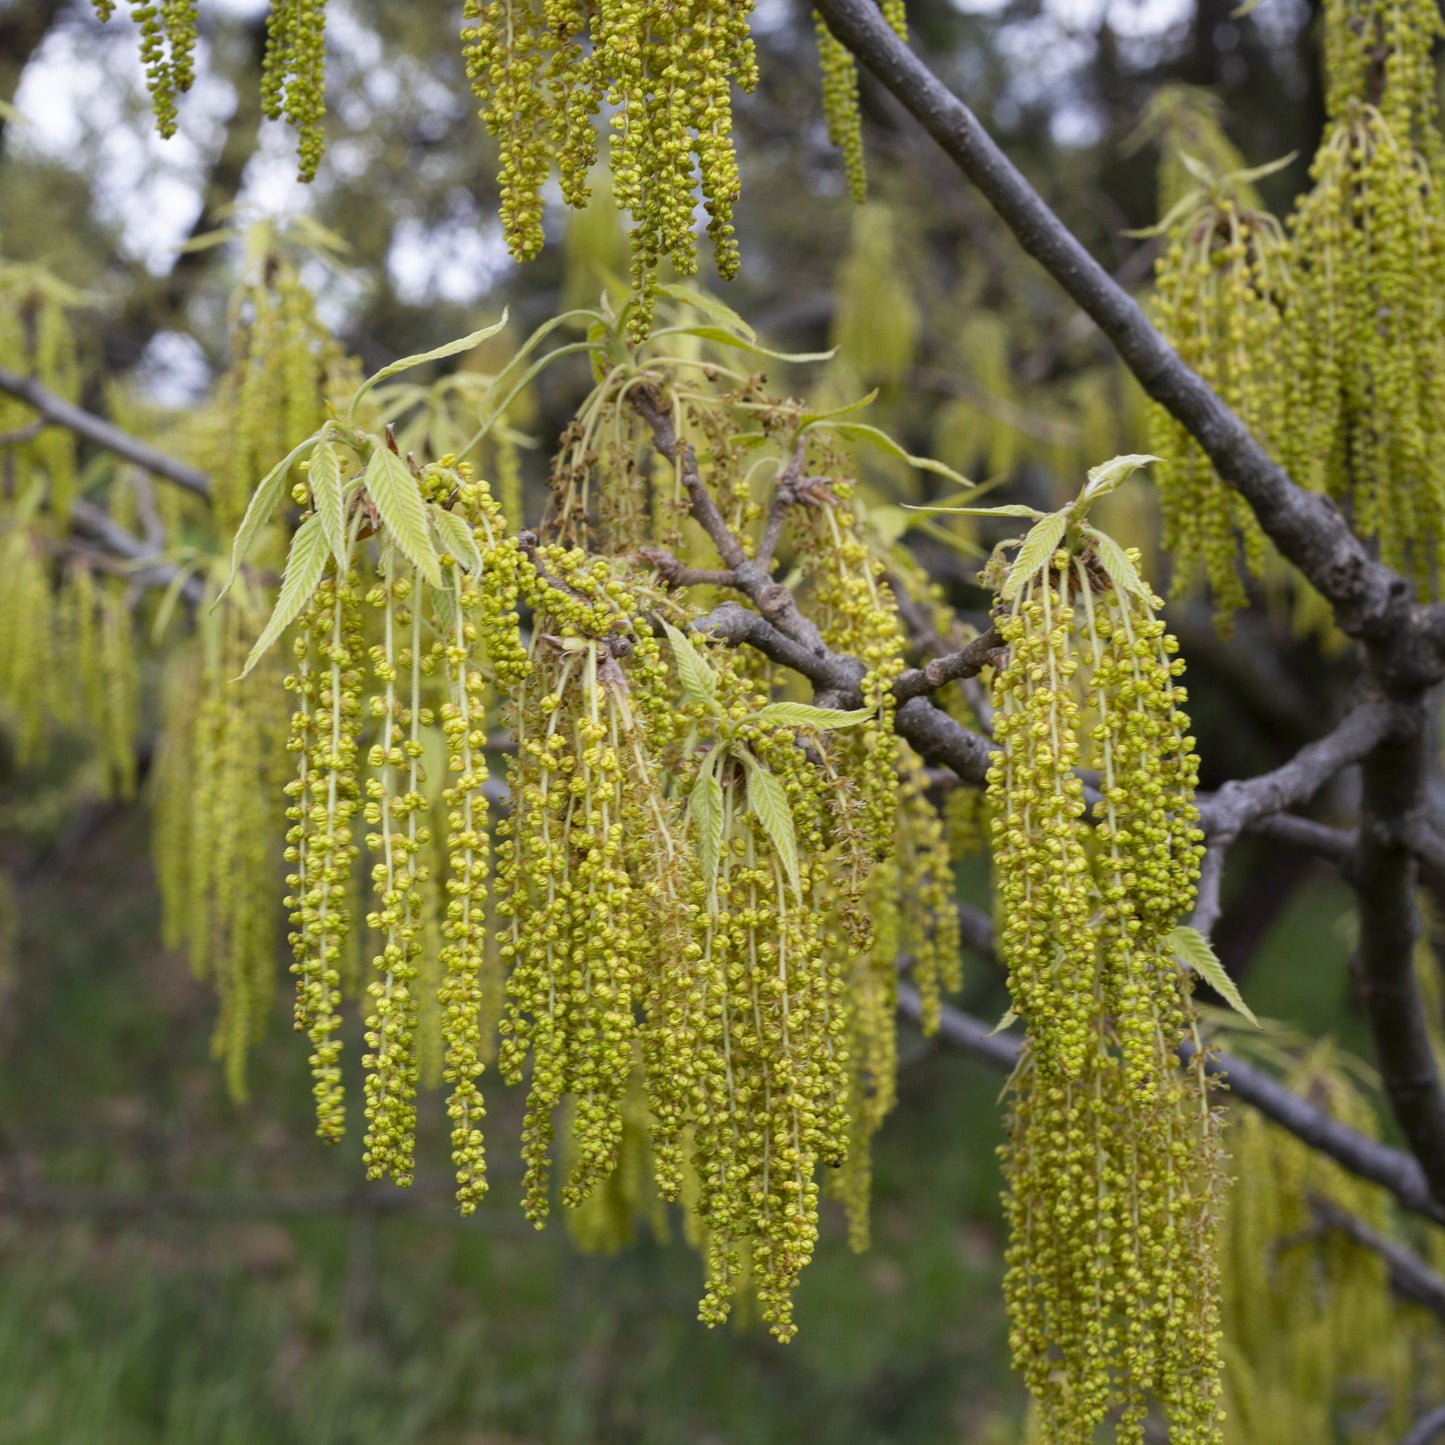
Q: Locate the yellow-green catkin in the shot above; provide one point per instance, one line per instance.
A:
(320, 846)
(1309, 1317)
(876, 324)
(237, 757)
(542, 70)
(285, 367)
(463, 722)
(1367, 357)
(293, 74)
(578, 923)
(840, 95)
(1220, 286)
(167, 51)
(37, 340)
(393, 808)
(27, 627)
(761, 1036)
(1114, 1166)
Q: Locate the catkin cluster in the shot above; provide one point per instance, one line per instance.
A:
(1308, 1312)
(699, 892)
(1220, 286)
(840, 95)
(285, 368)
(542, 70)
(1113, 1164)
(1367, 400)
(221, 758)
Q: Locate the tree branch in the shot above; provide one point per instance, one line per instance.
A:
(1410, 1276)
(59, 412)
(89, 521)
(1385, 878)
(939, 671)
(1241, 804)
(1370, 601)
(1393, 1169)
(1427, 1428)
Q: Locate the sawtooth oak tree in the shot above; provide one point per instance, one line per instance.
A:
(654, 805)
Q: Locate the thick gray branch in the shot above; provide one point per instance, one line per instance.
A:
(1427, 1428)
(90, 522)
(1370, 601)
(1385, 877)
(59, 412)
(1243, 803)
(1410, 1276)
(1393, 1169)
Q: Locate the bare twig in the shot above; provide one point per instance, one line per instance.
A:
(1241, 804)
(1393, 1169)
(88, 520)
(1410, 1276)
(59, 412)
(939, 671)
(1427, 1428)
(1384, 879)
(1370, 601)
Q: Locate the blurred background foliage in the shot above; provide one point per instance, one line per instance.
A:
(178, 1268)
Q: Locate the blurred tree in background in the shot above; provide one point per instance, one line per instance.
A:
(182, 1261)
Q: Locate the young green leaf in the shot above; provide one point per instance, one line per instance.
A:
(705, 806)
(1040, 544)
(805, 715)
(1009, 1019)
(305, 563)
(710, 307)
(398, 498)
(1117, 564)
(861, 434)
(325, 475)
(1192, 948)
(811, 418)
(724, 337)
(458, 539)
(699, 682)
(1007, 509)
(769, 801)
(1109, 476)
(462, 343)
(259, 508)
(444, 605)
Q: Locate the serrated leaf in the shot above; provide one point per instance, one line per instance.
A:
(705, 806)
(259, 508)
(1109, 476)
(439, 353)
(1007, 509)
(805, 715)
(1007, 1021)
(305, 563)
(1038, 546)
(710, 307)
(458, 539)
(392, 487)
(872, 436)
(325, 476)
(769, 801)
(1192, 948)
(444, 606)
(699, 682)
(1117, 564)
